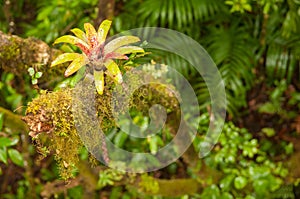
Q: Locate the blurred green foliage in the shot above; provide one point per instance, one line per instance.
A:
(248, 171)
(253, 42)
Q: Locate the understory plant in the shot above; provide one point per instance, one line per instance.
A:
(247, 171)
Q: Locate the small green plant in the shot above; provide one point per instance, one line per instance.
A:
(276, 102)
(35, 75)
(97, 55)
(108, 177)
(239, 5)
(6, 148)
(248, 171)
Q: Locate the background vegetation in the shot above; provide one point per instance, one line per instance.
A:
(254, 43)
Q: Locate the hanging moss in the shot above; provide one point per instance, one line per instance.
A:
(51, 120)
(62, 138)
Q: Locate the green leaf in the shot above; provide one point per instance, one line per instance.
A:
(103, 30)
(268, 131)
(118, 42)
(120, 139)
(129, 49)
(289, 148)
(99, 81)
(31, 71)
(80, 34)
(261, 186)
(14, 140)
(91, 33)
(226, 195)
(38, 75)
(113, 71)
(71, 40)
(211, 192)
(3, 155)
(268, 107)
(240, 182)
(225, 183)
(4, 141)
(75, 192)
(249, 197)
(65, 58)
(153, 144)
(16, 157)
(257, 172)
(76, 65)
(34, 81)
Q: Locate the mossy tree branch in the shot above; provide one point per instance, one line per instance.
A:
(52, 113)
(18, 54)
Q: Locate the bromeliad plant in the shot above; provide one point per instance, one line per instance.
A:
(97, 55)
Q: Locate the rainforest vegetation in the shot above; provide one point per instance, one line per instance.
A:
(55, 61)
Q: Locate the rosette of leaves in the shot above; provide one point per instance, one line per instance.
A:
(97, 55)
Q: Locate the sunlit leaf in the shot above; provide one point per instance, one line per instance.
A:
(91, 34)
(103, 30)
(38, 74)
(80, 34)
(118, 42)
(16, 157)
(31, 71)
(129, 49)
(76, 65)
(71, 40)
(65, 58)
(34, 81)
(240, 182)
(113, 71)
(4, 141)
(99, 81)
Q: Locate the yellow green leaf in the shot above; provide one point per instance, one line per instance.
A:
(79, 33)
(71, 40)
(99, 81)
(65, 58)
(91, 33)
(76, 65)
(103, 30)
(118, 42)
(113, 71)
(129, 49)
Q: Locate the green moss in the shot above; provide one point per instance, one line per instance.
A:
(10, 51)
(17, 55)
(63, 139)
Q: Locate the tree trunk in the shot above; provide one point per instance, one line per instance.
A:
(105, 11)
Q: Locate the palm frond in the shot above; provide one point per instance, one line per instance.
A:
(175, 14)
(231, 50)
(283, 47)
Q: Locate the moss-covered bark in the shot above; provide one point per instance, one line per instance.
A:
(51, 121)
(18, 54)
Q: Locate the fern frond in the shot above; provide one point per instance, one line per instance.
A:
(231, 50)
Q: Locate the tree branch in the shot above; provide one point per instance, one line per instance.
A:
(18, 54)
